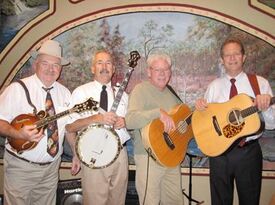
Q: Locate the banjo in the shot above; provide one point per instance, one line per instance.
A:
(98, 145)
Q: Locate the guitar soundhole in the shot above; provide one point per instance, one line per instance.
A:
(235, 117)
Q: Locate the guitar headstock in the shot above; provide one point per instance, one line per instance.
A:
(134, 57)
(89, 104)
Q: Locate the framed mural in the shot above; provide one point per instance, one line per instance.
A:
(191, 40)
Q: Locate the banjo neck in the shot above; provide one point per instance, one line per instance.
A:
(121, 90)
(132, 62)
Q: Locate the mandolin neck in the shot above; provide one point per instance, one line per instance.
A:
(45, 121)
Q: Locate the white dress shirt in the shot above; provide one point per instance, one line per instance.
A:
(93, 89)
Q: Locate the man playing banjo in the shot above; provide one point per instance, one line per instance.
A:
(105, 185)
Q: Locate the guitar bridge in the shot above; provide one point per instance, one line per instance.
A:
(216, 125)
(168, 140)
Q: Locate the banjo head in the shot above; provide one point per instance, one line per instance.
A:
(98, 146)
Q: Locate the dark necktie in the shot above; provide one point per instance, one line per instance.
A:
(104, 98)
(233, 89)
(52, 130)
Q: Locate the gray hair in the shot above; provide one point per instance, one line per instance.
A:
(103, 50)
(155, 57)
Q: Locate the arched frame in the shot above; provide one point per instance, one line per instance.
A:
(56, 21)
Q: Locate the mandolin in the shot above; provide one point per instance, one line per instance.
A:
(41, 120)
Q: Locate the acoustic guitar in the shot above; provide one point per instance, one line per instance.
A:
(216, 128)
(169, 149)
(41, 120)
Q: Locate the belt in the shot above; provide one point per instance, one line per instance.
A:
(21, 158)
(123, 145)
(243, 143)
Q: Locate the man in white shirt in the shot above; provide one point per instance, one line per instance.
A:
(104, 186)
(242, 162)
(31, 175)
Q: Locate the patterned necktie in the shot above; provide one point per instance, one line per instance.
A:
(52, 130)
(233, 89)
(104, 98)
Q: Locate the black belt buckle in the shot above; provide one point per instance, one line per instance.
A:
(123, 145)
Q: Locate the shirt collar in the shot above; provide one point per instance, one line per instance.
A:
(99, 85)
(240, 75)
(39, 82)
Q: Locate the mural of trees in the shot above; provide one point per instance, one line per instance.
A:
(193, 42)
(154, 37)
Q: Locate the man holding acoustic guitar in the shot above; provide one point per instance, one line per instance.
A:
(231, 138)
(32, 155)
(152, 100)
(101, 137)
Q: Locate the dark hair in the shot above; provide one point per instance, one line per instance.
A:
(232, 40)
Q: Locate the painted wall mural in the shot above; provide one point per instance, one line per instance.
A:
(192, 41)
(15, 14)
(269, 3)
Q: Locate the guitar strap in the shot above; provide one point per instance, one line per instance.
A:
(256, 89)
(27, 95)
(173, 91)
(254, 83)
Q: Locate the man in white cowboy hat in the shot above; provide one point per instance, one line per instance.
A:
(31, 175)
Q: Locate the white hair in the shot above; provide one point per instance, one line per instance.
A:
(155, 57)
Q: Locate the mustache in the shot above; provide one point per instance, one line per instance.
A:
(49, 72)
(104, 71)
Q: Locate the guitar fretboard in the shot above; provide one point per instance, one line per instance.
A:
(253, 109)
(188, 119)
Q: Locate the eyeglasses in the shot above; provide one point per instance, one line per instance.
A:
(160, 70)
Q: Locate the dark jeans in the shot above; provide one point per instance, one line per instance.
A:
(242, 164)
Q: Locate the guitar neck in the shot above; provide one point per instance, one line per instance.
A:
(188, 119)
(253, 109)
(121, 90)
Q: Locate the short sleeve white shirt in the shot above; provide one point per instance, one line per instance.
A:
(13, 102)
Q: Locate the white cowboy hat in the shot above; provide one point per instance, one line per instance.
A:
(52, 48)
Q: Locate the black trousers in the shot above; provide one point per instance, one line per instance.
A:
(242, 165)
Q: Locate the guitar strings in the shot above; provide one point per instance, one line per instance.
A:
(179, 129)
